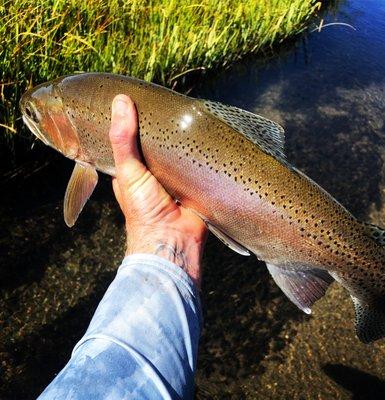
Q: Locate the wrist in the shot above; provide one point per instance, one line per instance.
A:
(180, 249)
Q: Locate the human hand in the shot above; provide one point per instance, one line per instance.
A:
(155, 223)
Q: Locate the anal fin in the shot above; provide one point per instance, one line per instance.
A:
(79, 189)
(302, 287)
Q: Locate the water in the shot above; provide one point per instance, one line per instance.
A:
(328, 91)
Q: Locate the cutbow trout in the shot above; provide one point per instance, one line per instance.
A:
(229, 166)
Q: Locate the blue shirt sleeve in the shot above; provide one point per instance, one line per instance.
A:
(142, 340)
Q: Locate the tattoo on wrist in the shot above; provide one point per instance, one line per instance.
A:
(172, 253)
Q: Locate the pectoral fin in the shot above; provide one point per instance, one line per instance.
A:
(79, 189)
(302, 287)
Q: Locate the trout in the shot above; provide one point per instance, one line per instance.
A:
(229, 166)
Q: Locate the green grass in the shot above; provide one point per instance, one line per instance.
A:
(156, 40)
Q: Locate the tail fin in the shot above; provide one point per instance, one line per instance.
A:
(376, 233)
(370, 322)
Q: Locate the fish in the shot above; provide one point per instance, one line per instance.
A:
(229, 166)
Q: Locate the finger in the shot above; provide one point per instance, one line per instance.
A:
(123, 135)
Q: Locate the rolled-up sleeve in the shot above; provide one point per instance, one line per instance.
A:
(142, 340)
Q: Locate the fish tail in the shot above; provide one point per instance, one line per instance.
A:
(370, 321)
(370, 317)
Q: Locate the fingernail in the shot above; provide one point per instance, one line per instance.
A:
(120, 106)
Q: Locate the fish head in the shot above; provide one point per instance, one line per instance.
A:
(44, 113)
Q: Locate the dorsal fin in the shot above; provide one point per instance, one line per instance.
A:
(376, 233)
(266, 134)
(302, 287)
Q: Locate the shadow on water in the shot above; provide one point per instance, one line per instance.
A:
(363, 386)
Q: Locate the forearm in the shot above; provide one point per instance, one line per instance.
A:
(143, 338)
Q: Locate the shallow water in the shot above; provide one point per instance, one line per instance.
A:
(328, 91)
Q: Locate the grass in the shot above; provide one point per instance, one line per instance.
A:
(158, 40)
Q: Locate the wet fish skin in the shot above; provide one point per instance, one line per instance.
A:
(209, 158)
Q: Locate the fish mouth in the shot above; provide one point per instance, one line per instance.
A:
(32, 117)
(34, 129)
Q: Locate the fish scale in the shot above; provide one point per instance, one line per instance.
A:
(229, 166)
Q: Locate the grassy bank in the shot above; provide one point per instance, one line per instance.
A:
(156, 40)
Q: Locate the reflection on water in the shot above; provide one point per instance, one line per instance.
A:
(329, 94)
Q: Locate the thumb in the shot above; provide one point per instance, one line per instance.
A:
(123, 136)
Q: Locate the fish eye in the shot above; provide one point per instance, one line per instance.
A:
(31, 114)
